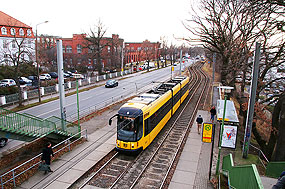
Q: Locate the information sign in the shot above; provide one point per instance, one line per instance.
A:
(207, 132)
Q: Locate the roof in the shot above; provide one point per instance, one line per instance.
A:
(231, 114)
(7, 20)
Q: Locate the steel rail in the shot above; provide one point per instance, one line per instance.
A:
(185, 133)
(151, 158)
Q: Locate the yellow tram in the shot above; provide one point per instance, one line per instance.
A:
(142, 118)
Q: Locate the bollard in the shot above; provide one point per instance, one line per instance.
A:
(97, 78)
(56, 88)
(89, 80)
(42, 90)
(80, 82)
(25, 95)
(2, 100)
(69, 84)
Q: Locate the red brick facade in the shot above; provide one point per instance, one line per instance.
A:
(136, 52)
(75, 51)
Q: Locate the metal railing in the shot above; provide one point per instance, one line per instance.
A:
(35, 161)
(24, 124)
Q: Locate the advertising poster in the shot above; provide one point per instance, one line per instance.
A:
(229, 137)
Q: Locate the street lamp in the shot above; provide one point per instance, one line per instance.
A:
(226, 90)
(38, 69)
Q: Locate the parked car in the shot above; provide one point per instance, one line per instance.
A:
(34, 80)
(7, 82)
(53, 75)
(111, 83)
(24, 80)
(3, 142)
(66, 75)
(45, 77)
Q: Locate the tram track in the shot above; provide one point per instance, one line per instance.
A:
(148, 168)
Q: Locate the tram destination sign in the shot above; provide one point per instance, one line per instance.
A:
(207, 132)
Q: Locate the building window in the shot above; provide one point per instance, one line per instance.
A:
(29, 44)
(29, 32)
(63, 48)
(68, 49)
(109, 49)
(5, 44)
(13, 31)
(4, 31)
(21, 32)
(79, 49)
(139, 48)
(13, 44)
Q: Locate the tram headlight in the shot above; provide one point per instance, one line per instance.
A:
(133, 145)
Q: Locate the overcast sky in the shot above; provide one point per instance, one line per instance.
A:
(133, 20)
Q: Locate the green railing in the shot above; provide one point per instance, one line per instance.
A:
(274, 169)
(245, 176)
(24, 124)
(31, 126)
(70, 128)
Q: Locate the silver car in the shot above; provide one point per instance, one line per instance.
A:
(7, 82)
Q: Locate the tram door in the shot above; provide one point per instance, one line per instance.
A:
(146, 133)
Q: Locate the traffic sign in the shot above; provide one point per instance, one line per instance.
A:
(207, 132)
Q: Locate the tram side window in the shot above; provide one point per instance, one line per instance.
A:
(159, 114)
(147, 127)
(139, 126)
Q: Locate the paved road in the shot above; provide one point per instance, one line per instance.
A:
(98, 97)
(101, 96)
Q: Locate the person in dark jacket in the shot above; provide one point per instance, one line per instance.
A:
(213, 113)
(46, 156)
(280, 182)
(199, 121)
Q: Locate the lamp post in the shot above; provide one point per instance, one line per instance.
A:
(227, 90)
(38, 69)
(78, 116)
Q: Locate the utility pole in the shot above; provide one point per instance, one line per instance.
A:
(214, 62)
(180, 60)
(61, 83)
(250, 109)
(122, 66)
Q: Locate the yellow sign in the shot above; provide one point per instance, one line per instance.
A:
(207, 132)
(172, 68)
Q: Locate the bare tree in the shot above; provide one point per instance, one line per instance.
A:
(147, 51)
(231, 28)
(164, 49)
(95, 45)
(17, 52)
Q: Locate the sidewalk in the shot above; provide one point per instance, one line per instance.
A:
(72, 165)
(192, 170)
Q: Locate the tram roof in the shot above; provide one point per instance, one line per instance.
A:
(231, 114)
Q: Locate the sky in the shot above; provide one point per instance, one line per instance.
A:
(132, 20)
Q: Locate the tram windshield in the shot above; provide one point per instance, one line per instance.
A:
(129, 128)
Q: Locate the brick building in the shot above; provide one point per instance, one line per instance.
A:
(136, 52)
(76, 51)
(15, 34)
(77, 54)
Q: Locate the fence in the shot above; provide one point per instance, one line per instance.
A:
(245, 176)
(274, 169)
(14, 98)
(24, 124)
(15, 175)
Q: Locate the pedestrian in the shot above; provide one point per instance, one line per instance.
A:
(46, 156)
(280, 182)
(199, 121)
(213, 113)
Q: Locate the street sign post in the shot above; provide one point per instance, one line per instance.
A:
(207, 132)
